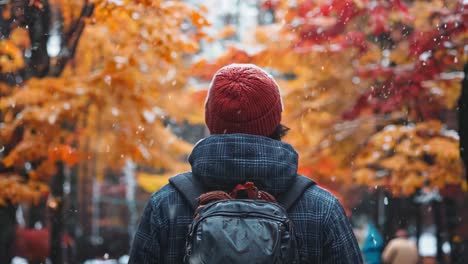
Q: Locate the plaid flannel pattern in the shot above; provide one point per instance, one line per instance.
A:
(324, 233)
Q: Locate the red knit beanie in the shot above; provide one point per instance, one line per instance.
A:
(243, 99)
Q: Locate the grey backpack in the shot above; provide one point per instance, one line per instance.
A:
(245, 226)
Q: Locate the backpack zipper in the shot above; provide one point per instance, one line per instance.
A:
(241, 215)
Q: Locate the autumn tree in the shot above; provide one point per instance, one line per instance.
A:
(107, 106)
(411, 51)
(350, 68)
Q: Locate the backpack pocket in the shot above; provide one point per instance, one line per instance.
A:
(240, 231)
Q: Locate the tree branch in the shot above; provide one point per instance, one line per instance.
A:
(38, 21)
(71, 40)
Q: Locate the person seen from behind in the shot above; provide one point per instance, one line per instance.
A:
(282, 217)
(400, 250)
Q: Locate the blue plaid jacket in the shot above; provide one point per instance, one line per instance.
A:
(220, 162)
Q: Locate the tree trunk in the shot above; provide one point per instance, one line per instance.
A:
(7, 232)
(57, 223)
(451, 223)
(72, 216)
(37, 214)
(462, 120)
(439, 229)
(391, 216)
(129, 172)
(417, 209)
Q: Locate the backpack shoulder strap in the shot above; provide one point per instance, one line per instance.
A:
(187, 187)
(295, 191)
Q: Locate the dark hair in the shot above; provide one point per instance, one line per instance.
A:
(280, 131)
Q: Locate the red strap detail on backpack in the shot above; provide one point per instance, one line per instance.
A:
(249, 188)
(213, 196)
(253, 192)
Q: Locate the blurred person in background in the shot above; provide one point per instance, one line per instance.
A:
(373, 244)
(401, 250)
(369, 238)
